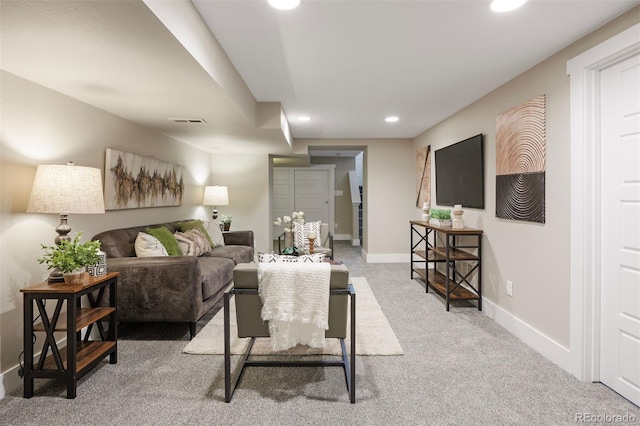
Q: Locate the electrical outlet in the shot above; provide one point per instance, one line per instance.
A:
(509, 288)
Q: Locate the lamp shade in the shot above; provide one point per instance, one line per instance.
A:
(64, 189)
(215, 196)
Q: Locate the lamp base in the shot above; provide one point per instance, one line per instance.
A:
(55, 277)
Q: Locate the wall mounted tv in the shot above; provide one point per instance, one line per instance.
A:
(460, 173)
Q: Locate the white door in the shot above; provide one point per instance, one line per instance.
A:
(620, 226)
(312, 194)
(282, 196)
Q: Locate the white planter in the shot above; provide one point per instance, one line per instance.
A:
(443, 223)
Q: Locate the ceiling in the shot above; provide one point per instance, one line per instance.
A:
(346, 64)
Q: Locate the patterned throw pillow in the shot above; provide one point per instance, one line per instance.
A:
(282, 258)
(191, 224)
(200, 241)
(186, 245)
(213, 229)
(301, 234)
(149, 246)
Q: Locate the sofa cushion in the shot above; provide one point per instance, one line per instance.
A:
(216, 273)
(149, 246)
(167, 239)
(239, 254)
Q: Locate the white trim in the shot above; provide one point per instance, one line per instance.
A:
(584, 71)
(547, 347)
(355, 242)
(342, 237)
(9, 381)
(385, 257)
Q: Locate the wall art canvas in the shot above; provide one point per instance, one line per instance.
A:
(520, 162)
(423, 176)
(133, 181)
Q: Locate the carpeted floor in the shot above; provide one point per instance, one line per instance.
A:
(374, 335)
(458, 368)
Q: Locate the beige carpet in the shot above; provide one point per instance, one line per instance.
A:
(374, 335)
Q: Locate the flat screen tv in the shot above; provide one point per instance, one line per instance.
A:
(460, 174)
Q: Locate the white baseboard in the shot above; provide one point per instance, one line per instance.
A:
(342, 237)
(385, 257)
(547, 347)
(9, 381)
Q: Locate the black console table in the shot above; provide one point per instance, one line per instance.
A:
(80, 355)
(450, 252)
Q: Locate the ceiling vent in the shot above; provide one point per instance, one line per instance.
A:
(188, 120)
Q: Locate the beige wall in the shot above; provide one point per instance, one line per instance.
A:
(389, 192)
(40, 126)
(343, 207)
(535, 257)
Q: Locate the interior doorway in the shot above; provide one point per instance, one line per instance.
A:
(599, 288)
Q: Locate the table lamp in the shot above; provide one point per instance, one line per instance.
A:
(65, 189)
(215, 196)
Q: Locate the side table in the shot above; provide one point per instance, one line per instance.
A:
(80, 355)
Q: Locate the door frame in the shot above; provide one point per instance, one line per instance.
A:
(585, 262)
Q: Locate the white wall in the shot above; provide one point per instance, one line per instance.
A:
(40, 126)
(535, 257)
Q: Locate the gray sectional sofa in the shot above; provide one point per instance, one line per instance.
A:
(173, 288)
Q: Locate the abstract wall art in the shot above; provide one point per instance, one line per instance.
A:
(423, 176)
(520, 162)
(133, 181)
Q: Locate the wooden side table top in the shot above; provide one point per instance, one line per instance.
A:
(64, 288)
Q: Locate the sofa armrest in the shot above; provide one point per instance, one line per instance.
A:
(158, 288)
(238, 238)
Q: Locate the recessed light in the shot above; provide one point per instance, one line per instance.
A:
(284, 4)
(304, 118)
(391, 119)
(506, 5)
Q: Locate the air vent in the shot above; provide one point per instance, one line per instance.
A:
(188, 120)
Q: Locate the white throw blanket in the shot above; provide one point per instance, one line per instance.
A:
(295, 301)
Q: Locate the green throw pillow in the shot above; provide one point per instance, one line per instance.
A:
(167, 239)
(197, 223)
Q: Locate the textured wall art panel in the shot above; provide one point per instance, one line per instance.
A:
(520, 162)
(423, 176)
(133, 181)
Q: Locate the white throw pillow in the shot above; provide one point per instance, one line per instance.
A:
(301, 234)
(149, 246)
(283, 258)
(213, 229)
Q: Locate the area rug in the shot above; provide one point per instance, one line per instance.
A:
(374, 335)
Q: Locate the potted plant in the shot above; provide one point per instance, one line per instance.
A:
(71, 257)
(289, 223)
(225, 220)
(440, 217)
